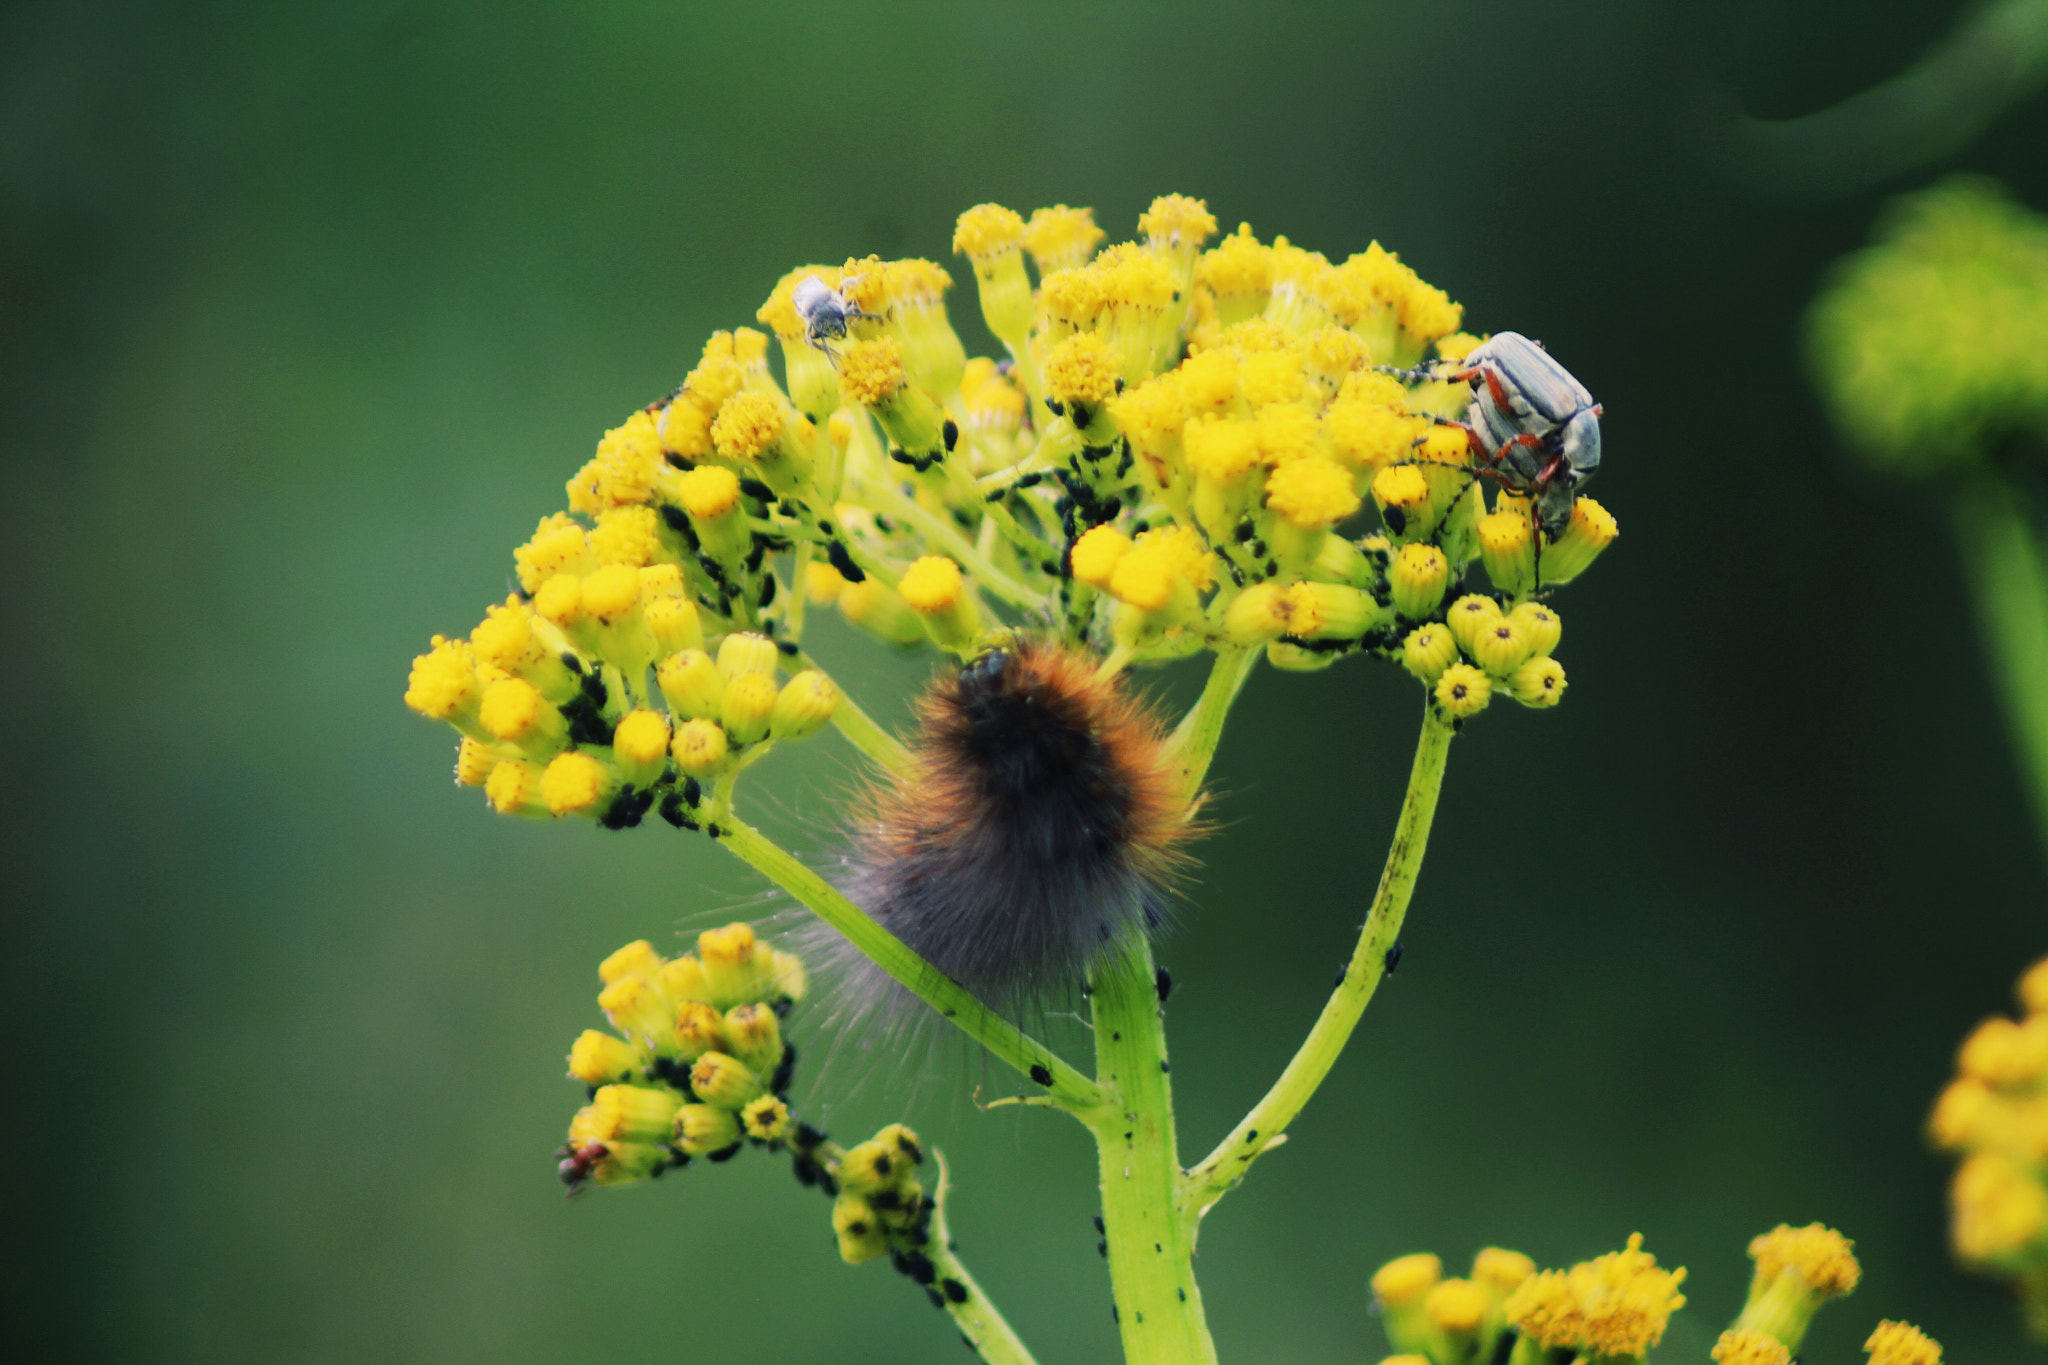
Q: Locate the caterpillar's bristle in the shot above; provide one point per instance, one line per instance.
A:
(1040, 827)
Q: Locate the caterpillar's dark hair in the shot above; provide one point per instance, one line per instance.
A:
(1039, 827)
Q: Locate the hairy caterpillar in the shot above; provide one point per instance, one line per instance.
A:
(1039, 827)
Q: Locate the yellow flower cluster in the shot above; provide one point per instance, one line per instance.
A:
(698, 1064)
(1994, 1115)
(1934, 342)
(1614, 1308)
(1165, 462)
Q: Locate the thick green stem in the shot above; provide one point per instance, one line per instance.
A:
(1264, 1126)
(1068, 1088)
(1150, 1236)
(2002, 552)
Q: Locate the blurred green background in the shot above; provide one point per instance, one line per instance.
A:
(310, 310)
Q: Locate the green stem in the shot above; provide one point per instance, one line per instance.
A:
(1266, 1124)
(1068, 1088)
(1150, 1235)
(1202, 728)
(973, 1312)
(2002, 552)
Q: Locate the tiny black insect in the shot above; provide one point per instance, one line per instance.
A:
(1393, 957)
(1162, 981)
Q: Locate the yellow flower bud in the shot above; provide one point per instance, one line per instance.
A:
(637, 958)
(804, 705)
(576, 784)
(755, 1036)
(723, 1080)
(1257, 615)
(598, 1058)
(635, 1006)
(1507, 546)
(1542, 625)
(1538, 683)
(692, 684)
(631, 1113)
(1456, 1307)
(1468, 615)
(735, 972)
(513, 788)
(935, 591)
(1332, 611)
(1797, 1270)
(473, 763)
(749, 703)
(514, 711)
(1750, 1348)
(1418, 576)
(1097, 553)
(745, 652)
(640, 746)
(1499, 646)
(699, 747)
(1501, 1270)
(1592, 529)
(699, 1029)
(765, 1119)
(1428, 651)
(1400, 1288)
(860, 1231)
(1403, 496)
(1463, 691)
(1901, 1343)
(706, 1130)
(673, 624)
(710, 495)
(872, 1166)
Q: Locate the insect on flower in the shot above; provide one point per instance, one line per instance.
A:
(1533, 424)
(826, 312)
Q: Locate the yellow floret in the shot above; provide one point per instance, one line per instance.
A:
(1823, 1259)
(1311, 492)
(932, 584)
(987, 229)
(1463, 691)
(1081, 369)
(574, 783)
(1287, 431)
(1998, 1209)
(1239, 264)
(1406, 1279)
(748, 425)
(1096, 554)
(1060, 238)
(1400, 485)
(641, 738)
(1367, 434)
(1617, 1305)
(871, 372)
(443, 682)
(1750, 1348)
(513, 788)
(1497, 1267)
(627, 535)
(1456, 1306)
(1174, 220)
(1074, 297)
(557, 546)
(1901, 1343)
(1223, 451)
(708, 491)
(1208, 382)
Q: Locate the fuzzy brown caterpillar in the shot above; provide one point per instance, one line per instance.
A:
(1038, 827)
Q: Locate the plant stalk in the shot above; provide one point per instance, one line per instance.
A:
(1157, 1304)
(2002, 553)
(1267, 1122)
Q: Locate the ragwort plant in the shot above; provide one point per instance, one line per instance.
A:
(1171, 460)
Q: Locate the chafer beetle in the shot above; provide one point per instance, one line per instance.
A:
(1535, 427)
